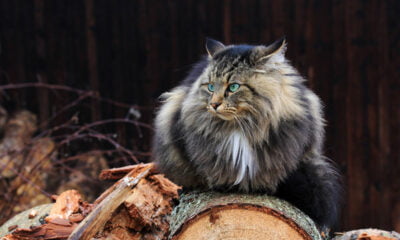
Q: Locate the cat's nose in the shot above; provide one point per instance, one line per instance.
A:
(215, 105)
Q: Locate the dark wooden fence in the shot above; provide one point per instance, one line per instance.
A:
(131, 51)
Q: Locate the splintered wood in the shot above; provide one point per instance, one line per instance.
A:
(144, 211)
(135, 207)
(67, 203)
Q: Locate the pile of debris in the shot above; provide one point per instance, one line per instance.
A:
(135, 207)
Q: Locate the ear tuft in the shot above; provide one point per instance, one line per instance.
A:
(274, 52)
(213, 46)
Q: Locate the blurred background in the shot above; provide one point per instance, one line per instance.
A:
(85, 75)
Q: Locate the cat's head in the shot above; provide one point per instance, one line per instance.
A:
(231, 86)
(244, 80)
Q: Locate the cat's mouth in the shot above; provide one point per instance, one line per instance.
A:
(224, 113)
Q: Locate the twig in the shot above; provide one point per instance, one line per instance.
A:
(95, 95)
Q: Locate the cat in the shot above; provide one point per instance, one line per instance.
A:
(243, 120)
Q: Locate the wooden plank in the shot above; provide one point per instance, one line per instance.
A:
(356, 179)
(337, 146)
(41, 71)
(392, 73)
(92, 57)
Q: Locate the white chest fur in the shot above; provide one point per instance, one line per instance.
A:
(241, 155)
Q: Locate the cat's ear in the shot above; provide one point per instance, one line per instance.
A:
(274, 52)
(213, 46)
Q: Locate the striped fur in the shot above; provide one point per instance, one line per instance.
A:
(261, 138)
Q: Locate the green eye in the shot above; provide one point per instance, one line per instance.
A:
(234, 87)
(211, 87)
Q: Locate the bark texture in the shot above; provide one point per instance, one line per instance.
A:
(22, 220)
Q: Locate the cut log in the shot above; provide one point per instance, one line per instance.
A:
(368, 234)
(212, 215)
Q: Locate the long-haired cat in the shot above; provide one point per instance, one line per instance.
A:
(244, 121)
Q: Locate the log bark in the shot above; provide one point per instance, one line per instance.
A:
(212, 215)
(23, 220)
(368, 234)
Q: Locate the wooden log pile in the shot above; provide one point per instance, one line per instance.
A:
(142, 205)
(135, 207)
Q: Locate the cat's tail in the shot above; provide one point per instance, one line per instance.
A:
(315, 188)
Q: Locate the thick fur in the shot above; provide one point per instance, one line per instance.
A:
(265, 137)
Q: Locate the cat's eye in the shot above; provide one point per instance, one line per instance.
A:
(234, 87)
(211, 87)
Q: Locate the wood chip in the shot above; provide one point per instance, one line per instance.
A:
(54, 197)
(10, 228)
(60, 221)
(76, 217)
(32, 214)
(46, 231)
(116, 173)
(66, 204)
